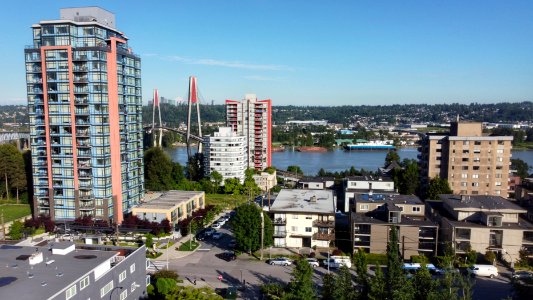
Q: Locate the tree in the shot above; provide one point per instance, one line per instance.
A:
(12, 168)
(217, 178)
(423, 284)
(295, 169)
(195, 167)
(438, 186)
(301, 284)
(361, 269)
(247, 227)
(392, 155)
(397, 285)
(157, 170)
(232, 186)
(344, 289)
(521, 167)
(490, 256)
(378, 289)
(16, 231)
(328, 286)
(408, 179)
(177, 173)
(249, 183)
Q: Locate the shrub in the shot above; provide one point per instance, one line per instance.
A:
(419, 259)
(337, 252)
(312, 254)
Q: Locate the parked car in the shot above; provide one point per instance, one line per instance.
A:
(483, 270)
(313, 262)
(337, 262)
(209, 231)
(232, 244)
(217, 236)
(280, 261)
(221, 221)
(200, 236)
(227, 217)
(227, 255)
(216, 225)
(522, 275)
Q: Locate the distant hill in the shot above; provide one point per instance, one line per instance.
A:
(391, 114)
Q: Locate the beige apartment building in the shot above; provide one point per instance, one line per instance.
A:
(172, 205)
(374, 215)
(303, 218)
(484, 223)
(265, 181)
(473, 163)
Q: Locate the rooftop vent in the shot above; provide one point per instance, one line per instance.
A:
(313, 199)
(36, 258)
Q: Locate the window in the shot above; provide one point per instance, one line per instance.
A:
(132, 268)
(475, 176)
(122, 276)
(498, 183)
(363, 207)
(294, 228)
(308, 217)
(416, 208)
(464, 175)
(308, 229)
(464, 183)
(475, 183)
(84, 283)
(71, 291)
(124, 294)
(107, 288)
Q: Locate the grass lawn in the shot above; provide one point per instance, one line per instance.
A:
(14, 211)
(226, 201)
(185, 246)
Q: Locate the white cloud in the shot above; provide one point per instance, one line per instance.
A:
(222, 63)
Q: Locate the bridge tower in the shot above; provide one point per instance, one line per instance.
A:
(193, 100)
(155, 137)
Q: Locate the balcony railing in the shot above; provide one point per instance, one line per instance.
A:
(279, 234)
(324, 223)
(279, 221)
(324, 236)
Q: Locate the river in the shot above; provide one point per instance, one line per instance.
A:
(336, 160)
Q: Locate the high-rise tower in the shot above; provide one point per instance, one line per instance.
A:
(253, 119)
(84, 100)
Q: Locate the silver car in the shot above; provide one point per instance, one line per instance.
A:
(280, 261)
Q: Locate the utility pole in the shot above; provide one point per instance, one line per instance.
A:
(403, 246)
(262, 232)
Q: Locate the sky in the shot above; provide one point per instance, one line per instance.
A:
(307, 52)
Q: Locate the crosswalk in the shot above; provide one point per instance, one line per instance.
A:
(155, 265)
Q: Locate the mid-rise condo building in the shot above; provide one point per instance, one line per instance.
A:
(225, 152)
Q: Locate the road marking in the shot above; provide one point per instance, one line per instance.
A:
(204, 249)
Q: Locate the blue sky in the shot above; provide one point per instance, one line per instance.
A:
(309, 52)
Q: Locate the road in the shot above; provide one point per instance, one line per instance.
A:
(205, 267)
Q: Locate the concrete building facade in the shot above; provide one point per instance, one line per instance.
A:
(265, 181)
(484, 223)
(473, 164)
(63, 270)
(225, 152)
(84, 102)
(252, 118)
(316, 183)
(356, 185)
(375, 214)
(171, 205)
(303, 218)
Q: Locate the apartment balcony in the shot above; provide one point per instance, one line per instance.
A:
(85, 186)
(324, 236)
(279, 221)
(323, 223)
(528, 238)
(86, 165)
(44, 203)
(80, 69)
(83, 144)
(87, 205)
(279, 234)
(79, 58)
(82, 133)
(426, 234)
(85, 196)
(84, 175)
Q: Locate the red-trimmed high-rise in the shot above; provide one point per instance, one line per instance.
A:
(84, 101)
(253, 119)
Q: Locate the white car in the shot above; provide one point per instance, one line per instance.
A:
(217, 235)
(216, 225)
(313, 262)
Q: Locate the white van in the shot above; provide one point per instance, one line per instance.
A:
(483, 270)
(338, 261)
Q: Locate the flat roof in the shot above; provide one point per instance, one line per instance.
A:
(480, 203)
(317, 179)
(362, 218)
(388, 198)
(369, 178)
(47, 279)
(167, 200)
(289, 200)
